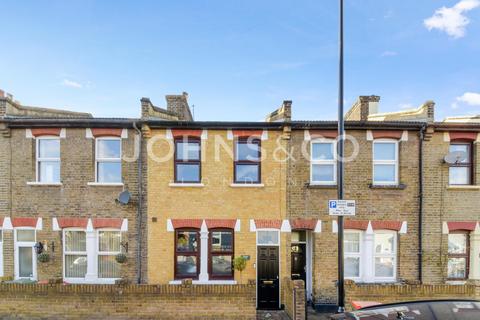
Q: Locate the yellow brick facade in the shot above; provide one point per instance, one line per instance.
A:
(217, 199)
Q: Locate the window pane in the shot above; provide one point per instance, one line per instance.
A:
(25, 262)
(247, 173)
(187, 241)
(188, 172)
(457, 243)
(109, 172)
(75, 241)
(108, 148)
(457, 268)
(299, 236)
(384, 173)
(459, 175)
(384, 151)
(267, 237)
(323, 172)
(109, 241)
(352, 242)
(384, 243)
(108, 267)
(187, 265)
(49, 148)
(1, 236)
(384, 267)
(49, 171)
(222, 265)
(352, 267)
(222, 241)
(26, 235)
(75, 266)
(188, 151)
(247, 151)
(322, 151)
(461, 147)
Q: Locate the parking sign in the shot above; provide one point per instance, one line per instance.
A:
(341, 207)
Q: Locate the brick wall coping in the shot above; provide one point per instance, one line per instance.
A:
(127, 289)
(420, 290)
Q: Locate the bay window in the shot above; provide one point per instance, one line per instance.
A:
(458, 256)
(247, 165)
(385, 255)
(187, 253)
(352, 254)
(323, 166)
(187, 161)
(48, 159)
(385, 162)
(108, 160)
(109, 245)
(221, 254)
(75, 253)
(461, 173)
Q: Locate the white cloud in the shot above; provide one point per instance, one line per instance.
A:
(72, 84)
(406, 106)
(389, 53)
(470, 98)
(452, 20)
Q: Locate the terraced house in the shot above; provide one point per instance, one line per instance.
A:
(61, 175)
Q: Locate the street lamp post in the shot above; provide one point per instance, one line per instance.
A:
(340, 152)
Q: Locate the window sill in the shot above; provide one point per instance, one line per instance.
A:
(209, 282)
(456, 282)
(247, 185)
(100, 184)
(52, 184)
(463, 187)
(186, 185)
(320, 186)
(400, 186)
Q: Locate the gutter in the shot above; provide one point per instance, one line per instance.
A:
(139, 234)
(420, 203)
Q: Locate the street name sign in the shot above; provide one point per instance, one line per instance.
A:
(341, 207)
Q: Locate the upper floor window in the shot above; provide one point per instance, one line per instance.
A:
(385, 162)
(461, 173)
(48, 160)
(187, 253)
(108, 160)
(247, 161)
(221, 254)
(385, 254)
(187, 160)
(352, 254)
(458, 256)
(323, 166)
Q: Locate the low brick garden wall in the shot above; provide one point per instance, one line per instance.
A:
(389, 293)
(294, 298)
(55, 301)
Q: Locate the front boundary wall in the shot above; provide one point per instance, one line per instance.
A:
(55, 301)
(390, 293)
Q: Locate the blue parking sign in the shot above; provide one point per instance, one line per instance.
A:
(333, 204)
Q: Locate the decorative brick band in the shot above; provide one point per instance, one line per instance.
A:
(268, 224)
(387, 134)
(106, 132)
(356, 224)
(461, 225)
(303, 224)
(69, 222)
(186, 223)
(178, 133)
(329, 134)
(24, 222)
(115, 223)
(387, 225)
(463, 135)
(36, 132)
(221, 223)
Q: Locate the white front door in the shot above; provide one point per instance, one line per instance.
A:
(25, 257)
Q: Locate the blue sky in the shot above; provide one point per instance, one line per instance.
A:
(238, 60)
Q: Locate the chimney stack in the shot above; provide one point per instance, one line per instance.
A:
(362, 108)
(178, 104)
(282, 114)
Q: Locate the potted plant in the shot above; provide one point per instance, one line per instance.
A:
(121, 258)
(43, 257)
(239, 264)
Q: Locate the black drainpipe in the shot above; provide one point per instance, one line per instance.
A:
(420, 204)
(139, 206)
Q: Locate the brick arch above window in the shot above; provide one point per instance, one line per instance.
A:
(32, 133)
(458, 226)
(462, 136)
(221, 223)
(186, 223)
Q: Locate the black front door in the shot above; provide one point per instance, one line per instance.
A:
(267, 278)
(299, 262)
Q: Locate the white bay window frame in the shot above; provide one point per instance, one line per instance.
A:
(358, 254)
(79, 253)
(99, 159)
(106, 253)
(39, 159)
(392, 255)
(394, 162)
(324, 162)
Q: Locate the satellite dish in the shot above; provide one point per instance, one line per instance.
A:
(124, 197)
(455, 157)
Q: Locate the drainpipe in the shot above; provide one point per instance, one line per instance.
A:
(420, 204)
(139, 205)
